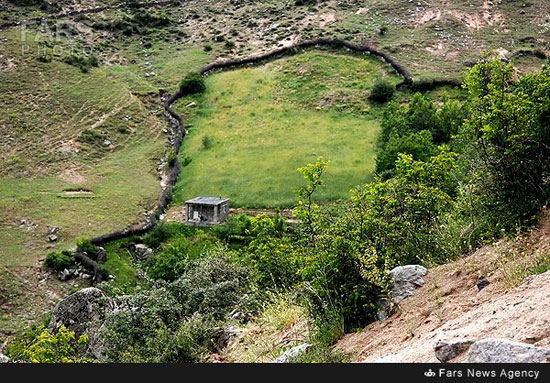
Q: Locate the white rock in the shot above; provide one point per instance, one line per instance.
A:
(493, 350)
(406, 279)
(292, 353)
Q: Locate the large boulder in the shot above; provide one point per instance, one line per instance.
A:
(406, 279)
(445, 351)
(506, 351)
(84, 312)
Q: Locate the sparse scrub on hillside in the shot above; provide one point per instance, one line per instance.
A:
(85, 63)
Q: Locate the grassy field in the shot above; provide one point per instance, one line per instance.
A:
(55, 122)
(255, 126)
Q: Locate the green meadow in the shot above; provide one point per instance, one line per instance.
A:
(255, 126)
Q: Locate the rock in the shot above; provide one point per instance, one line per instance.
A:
(84, 313)
(239, 315)
(66, 274)
(494, 350)
(445, 351)
(223, 335)
(406, 279)
(52, 238)
(53, 229)
(191, 105)
(101, 254)
(292, 353)
(482, 283)
(4, 358)
(107, 143)
(143, 251)
(385, 310)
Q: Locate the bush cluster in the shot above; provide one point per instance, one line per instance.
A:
(192, 83)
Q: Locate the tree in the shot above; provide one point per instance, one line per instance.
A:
(381, 92)
(192, 83)
(419, 145)
(509, 132)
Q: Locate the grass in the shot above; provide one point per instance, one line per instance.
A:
(280, 325)
(54, 120)
(263, 123)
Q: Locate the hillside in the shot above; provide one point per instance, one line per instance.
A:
(450, 307)
(92, 113)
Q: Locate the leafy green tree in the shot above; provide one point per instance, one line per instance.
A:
(422, 114)
(382, 91)
(171, 261)
(192, 83)
(419, 145)
(394, 121)
(509, 132)
(270, 254)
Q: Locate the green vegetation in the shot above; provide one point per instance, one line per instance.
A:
(192, 83)
(58, 260)
(289, 113)
(82, 136)
(382, 91)
(42, 346)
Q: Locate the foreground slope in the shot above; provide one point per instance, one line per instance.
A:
(450, 307)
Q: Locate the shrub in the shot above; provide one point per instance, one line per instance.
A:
(39, 345)
(82, 62)
(85, 245)
(235, 229)
(58, 261)
(422, 114)
(270, 254)
(142, 327)
(507, 135)
(419, 145)
(162, 232)
(173, 260)
(192, 83)
(381, 92)
(186, 161)
(229, 45)
(171, 159)
(343, 259)
(206, 142)
(212, 286)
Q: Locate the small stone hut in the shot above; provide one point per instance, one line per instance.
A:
(206, 211)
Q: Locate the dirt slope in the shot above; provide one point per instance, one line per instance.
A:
(449, 305)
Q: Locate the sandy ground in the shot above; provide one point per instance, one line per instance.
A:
(449, 306)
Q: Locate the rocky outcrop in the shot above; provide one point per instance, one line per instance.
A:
(84, 312)
(506, 351)
(446, 351)
(142, 251)
(224, 335)
(292, 353)
(406, 279)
